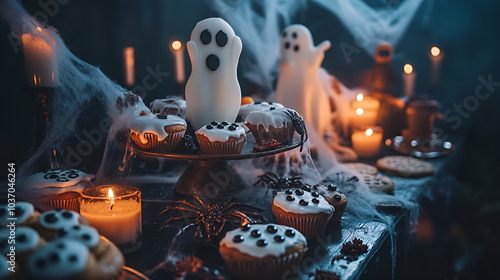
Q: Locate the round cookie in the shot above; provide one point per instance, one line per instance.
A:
(405, 166)
(85, 234)
(362, 168)
(50, 222)
(379, 183)
(219, 138)
(24, 212)
(26, 241)
(257, 251)
(334, 197)
(307, 212)
(245, 110)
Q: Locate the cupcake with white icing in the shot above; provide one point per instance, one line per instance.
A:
(257, 251)
(335, 197)
(27, 240)
(24, 214)
(157, 132)
(171, 105)
(245, 110)
(220, 138)
(271, 123)
(307, 212)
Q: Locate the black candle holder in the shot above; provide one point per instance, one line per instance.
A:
(42, 98)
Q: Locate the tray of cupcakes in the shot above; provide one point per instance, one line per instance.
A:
(57, 244)
(260, 129)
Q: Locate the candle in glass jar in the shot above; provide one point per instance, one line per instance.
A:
(40, 58)
(366, 143)
(115, 211)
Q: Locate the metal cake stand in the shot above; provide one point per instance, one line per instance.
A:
(212, 176)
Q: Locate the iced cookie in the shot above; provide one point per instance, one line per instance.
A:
(50, 222)
(24, 214)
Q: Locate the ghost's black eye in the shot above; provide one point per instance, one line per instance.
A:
(287, 45)
(294, 35)
(206, 37)
(221, 38)
(296, 48)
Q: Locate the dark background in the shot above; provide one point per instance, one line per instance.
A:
(468, 33)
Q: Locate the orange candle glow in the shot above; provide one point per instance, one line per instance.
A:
(40, 58)
(365, 111)
(366, 143)
(129, 65)
(178, 53)
(436, 57)
(409, 77)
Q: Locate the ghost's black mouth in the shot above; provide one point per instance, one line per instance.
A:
(212, 62)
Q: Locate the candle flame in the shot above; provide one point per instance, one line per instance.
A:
(435, 51)
(38, 28)
(369, 132)
(359, 111)
(111, 195)
(408, 68)
(176, 45)
(359, 97)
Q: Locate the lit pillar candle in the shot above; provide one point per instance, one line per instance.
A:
(40, 58)
(409, 77)
(178, 53)
(364, 111)
(115, 211)
(436, 58)
(366, 143)
(129, 65)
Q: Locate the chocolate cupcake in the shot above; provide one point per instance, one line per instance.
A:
(334, 197)
(245, 110)
(257, 251)
(220, 138)
(307, 212)
(157, 133)
(273, 123)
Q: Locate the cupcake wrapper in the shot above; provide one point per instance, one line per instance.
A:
(309, 227)
(168, 144)
(72, 204)
(269, 269)
(337, 215)
(283, 135)
(221, 148)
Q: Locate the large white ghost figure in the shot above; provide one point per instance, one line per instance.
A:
(299, 85)
(212, 91)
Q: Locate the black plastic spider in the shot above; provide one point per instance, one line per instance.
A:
(299, 125)
(210, 219)
(275, 182)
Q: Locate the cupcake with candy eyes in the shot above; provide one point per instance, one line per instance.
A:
(24, 214)
(246, 109)
(221, 138)
(333, 196)
(270, 124)
(157, 132)
(308, 212)
(51, 222)
(27, 240)
(257, 251)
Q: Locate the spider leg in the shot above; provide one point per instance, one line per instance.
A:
(178, 208)
(200, 201)
(221, 227)
(187, 203)
(172, 219)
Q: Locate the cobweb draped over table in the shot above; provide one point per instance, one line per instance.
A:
(81, 83)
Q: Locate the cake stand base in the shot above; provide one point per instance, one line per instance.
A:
(209, 180)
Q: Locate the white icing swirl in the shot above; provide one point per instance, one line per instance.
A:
(59, 259)
(56, 178)
(25, 208)
(294, 206)
(58, 219)
(85, 234)
(215, 134)
(152, 124)
(273, 248)
(267, 118)
(245, 110)
(26, 239)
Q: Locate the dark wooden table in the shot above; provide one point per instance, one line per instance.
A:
(375, 264)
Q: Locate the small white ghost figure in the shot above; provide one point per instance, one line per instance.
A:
(299, 85)
(212, 91)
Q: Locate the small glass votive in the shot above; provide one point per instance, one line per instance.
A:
(115, 211)
(366, 141)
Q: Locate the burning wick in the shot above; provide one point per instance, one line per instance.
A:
(111, 197)
(369, 132)
(435, 51)
(176, 45)
(408, 68)
(359, 97)
(359, 111)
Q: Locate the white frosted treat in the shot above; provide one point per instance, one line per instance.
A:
(169, 106)
(58, 219)
(212, 90)
(275, 117)
(22, 211)
(302, 202)
(258, 240)
(59, 259)
(299, 84)
(82, 233)
(26, 239)
(155, 124)
(56, 178)
(220, 132)
(257, 106)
